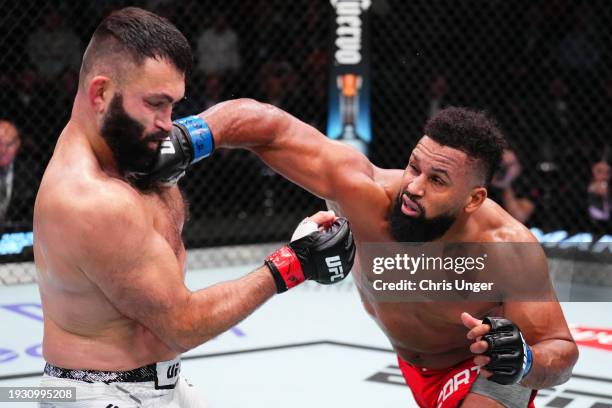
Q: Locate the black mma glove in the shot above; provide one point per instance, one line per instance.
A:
(510, 355)
(189, 141)
(324, 256)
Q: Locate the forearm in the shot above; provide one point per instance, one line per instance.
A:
(213, 310)
(245, 123)
(553, 361)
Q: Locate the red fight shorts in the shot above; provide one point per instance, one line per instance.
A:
(444, 388)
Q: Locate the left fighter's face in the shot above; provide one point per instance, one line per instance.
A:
(150, 93)
(133, 150)
(138, 117)
(434, 189)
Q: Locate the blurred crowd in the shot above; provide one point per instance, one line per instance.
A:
(539, 67)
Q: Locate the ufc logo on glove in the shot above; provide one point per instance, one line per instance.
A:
(334, 265)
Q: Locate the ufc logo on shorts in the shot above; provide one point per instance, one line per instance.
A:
(452, 385)
(167, 147)
(334, 265)
(173, 370)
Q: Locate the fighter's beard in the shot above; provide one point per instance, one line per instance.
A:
(124, 136)
(417, 229)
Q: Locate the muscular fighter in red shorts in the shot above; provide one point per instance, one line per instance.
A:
(448, 354)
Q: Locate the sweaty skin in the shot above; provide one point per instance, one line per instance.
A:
(426, 334)
(110, 258)
(81, 323)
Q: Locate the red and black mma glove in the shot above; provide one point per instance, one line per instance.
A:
(324, 256)
(511, 356)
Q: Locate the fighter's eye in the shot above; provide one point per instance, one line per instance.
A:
(437, 180)
(155, 104)
(413, 167)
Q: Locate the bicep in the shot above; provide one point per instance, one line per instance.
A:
(299, 152)
(308, 158)
(530, 298)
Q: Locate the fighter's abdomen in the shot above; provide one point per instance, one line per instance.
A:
(426, 334)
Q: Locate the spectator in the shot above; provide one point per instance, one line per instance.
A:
(507, 191)
(16, 178)
(599, 195)
(53, 47)
(217, 48)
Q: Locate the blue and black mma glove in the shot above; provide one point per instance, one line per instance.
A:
(189, 142)
(324, 256)
(511, 356)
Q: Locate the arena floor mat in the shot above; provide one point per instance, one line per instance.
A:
(313, 346)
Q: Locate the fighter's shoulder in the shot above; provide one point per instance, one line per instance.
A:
(512, 231)
(368, 186)
(502, 227)
(391, 179)
(94, 207)
(350, 170)
(345, 157)
(365, 197)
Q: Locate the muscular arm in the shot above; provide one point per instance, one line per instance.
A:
(541, 321)
(531, 304)
(119, 250)
(326, 168)
(543, 326)
(545, 330)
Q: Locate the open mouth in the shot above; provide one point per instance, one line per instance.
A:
(409, 207)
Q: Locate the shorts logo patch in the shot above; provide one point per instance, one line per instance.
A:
(166, 374)
(452, 385)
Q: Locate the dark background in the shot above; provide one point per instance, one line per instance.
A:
(541, 68)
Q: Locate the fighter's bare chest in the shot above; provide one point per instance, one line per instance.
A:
(416, 325)
(169, 212)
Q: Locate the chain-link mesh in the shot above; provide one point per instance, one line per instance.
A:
(541, 68)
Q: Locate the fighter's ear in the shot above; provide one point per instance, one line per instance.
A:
(477, 196)
(99, 93)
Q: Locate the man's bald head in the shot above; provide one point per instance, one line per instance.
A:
(127, 37)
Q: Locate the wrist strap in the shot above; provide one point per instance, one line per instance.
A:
(528, 358)
(201, 137)
(286, 269)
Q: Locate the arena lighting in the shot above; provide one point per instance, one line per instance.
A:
(13, 243)
(583, 241)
